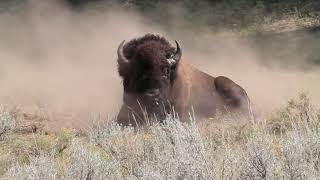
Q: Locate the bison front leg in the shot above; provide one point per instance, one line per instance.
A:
(123, 117)
(127, 117)
(234, 97)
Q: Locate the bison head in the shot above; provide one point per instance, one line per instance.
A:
(148, 67)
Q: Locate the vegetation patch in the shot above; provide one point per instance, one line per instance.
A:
(284, 146)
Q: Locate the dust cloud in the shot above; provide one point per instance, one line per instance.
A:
(65, 60)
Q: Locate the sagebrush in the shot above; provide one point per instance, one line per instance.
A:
(176, 150)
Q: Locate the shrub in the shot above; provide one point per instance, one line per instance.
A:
(298, 114)
(86, 162)
(40, 167)
(7, 123)
(176, 150)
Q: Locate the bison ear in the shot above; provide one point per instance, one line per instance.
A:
(123, 62)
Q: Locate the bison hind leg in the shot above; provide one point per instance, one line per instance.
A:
(233, 96)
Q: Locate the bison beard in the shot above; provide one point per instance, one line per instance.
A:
(155, 78)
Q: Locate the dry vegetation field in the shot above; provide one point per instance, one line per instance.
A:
(284, 145)
(60, 89)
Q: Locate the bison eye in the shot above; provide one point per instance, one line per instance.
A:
(168, 56)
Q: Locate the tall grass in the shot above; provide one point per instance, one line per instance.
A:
(284, 146)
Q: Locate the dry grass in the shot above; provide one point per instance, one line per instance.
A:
(284, 146)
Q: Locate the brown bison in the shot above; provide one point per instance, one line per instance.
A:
(156, 80)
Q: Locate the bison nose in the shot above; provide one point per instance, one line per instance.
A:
(153, 92)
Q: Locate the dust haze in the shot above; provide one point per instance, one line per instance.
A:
(65, 60)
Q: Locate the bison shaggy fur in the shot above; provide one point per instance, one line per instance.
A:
(157, 79)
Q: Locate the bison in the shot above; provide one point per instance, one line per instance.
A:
(156, 80)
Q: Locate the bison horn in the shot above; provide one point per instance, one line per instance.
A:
(121, 56)
(177, 56)
(178, 53)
